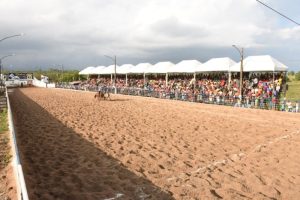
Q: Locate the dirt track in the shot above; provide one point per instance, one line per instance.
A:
(74, 147)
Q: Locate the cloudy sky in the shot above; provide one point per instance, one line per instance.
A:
(78, 33)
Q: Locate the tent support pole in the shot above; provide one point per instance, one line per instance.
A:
(285, 83)
(144, 75)
(274, 87)
(229, 80)
(194, 81)
(166, 79)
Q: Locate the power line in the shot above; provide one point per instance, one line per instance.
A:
(278, 12)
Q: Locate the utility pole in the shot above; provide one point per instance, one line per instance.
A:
(114, 59)
(62, 70)
(241, 51)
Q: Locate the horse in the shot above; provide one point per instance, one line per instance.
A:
(102, 95)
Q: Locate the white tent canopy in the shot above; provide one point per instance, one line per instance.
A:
(140, 68)
(110, 69)
(98, 70)
(160, 68)
(87, 71)
(124, 69)
(264, 63)
(185, 66)
(216, 65)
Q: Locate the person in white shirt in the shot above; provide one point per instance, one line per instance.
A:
(290, 106)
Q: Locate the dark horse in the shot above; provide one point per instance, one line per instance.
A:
(102, 95)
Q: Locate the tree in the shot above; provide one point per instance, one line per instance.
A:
(291, 73)
(297, 76)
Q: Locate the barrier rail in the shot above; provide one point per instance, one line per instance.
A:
(21, 185)
(266, 103)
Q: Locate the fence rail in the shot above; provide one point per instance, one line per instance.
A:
(267, 103)
(19, 176)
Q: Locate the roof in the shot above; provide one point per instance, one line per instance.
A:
(160, 68)
(265, 63)
(98, 69)
(124, 69)
(110, 69)
(185, 66)
(216, 65)
(140, 68)
(87, 70)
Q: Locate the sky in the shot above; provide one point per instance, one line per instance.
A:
(76, 34)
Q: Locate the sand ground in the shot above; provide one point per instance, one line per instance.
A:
(8, 188)
(75, 147)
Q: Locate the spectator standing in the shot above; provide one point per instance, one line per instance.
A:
(290, 106)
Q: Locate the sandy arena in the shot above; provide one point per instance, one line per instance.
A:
(75, 147)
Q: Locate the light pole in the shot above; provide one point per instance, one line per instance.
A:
(5, 38)
(241, 51)
(2, 58)
(62, 70)
(21, 34)
(114, 59)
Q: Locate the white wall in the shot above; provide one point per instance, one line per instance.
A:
(38, 83)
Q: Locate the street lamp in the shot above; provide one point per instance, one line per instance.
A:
(241, 51)
(5, 38)
(114, 59)
(2, 58)
(21, 34)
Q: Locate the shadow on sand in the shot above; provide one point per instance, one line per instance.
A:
(112, 99)
(60, 164)
(116, 99)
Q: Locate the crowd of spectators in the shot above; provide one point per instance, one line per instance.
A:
(260, 90)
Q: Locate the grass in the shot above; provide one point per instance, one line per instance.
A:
(293, 92)
(3, 121)
(5, 156)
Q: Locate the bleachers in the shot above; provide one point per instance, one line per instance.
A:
(262, 91)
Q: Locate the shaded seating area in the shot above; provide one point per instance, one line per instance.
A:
(216, 81)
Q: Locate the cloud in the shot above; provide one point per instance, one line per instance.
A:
(78, 33)
(174, 28)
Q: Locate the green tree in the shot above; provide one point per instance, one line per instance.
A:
(297, 76)
(291, 73)
(57, 75)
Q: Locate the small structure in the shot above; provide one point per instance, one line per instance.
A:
(18, 79)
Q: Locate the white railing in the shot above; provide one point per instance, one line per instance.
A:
(19, 176)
